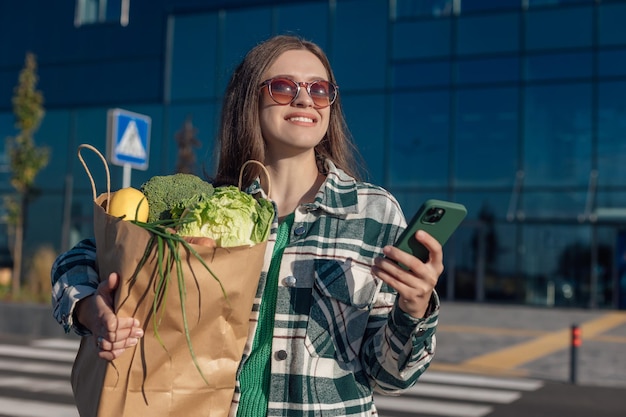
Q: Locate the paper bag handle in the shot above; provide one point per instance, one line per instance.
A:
(106, 168)
(267, 174)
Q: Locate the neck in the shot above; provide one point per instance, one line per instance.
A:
(294, 182)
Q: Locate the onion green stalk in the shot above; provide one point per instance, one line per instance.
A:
(163, 237)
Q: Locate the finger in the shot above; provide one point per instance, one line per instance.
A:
(391, 280)
(434, 247)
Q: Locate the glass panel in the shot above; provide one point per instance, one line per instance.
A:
(419, 152)
(194, 69)
(611, 133)
(421, 74)
(363, 116)
(611, 255)
(486, 136)
(483, 5)
(543, 3)
(611, 27)
(489, 70)
(99, 82)
(559, 28)
(371, 54)
(612, 63)
(483, 247)
(555, 260)
(314, 26)
(418, 8)
(241, 30)
(408, 39)
(557, 134)
(553, 204)
(476, 34)
(558, 66)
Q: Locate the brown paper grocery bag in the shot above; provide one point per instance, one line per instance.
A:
(159, 377)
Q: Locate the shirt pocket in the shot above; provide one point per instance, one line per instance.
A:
(342, 297)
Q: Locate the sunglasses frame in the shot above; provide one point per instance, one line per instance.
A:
(299, 84)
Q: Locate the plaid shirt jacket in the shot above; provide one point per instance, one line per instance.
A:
(339, 334)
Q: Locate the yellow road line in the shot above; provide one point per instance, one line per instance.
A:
(489, 330)
(519, 354)
(468, 369)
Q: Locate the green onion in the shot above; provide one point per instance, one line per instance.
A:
(161, 237)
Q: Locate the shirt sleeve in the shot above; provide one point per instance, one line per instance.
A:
(398, 348)
(74, 277)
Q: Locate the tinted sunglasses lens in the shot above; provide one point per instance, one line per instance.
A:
(323, 93)
(283, 91)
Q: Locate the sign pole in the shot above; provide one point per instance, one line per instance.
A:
(126, 178)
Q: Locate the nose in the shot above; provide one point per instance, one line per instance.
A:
(303, 99)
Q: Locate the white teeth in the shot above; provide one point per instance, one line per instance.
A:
(301, 119)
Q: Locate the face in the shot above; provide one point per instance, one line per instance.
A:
(299, 126)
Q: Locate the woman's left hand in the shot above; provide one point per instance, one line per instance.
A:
(415, 285)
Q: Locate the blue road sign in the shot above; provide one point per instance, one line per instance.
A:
(128, 138)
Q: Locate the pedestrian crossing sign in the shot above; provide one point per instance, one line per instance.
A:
(128, 138)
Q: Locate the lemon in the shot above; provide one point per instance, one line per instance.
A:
(128, 202)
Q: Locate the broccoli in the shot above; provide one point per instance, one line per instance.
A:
(167, 192)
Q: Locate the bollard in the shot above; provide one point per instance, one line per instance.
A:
(576, 341)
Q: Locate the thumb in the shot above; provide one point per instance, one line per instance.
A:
(112, 282)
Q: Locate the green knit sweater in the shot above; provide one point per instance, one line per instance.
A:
(255, 373)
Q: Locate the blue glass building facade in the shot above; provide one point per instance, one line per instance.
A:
(515, 108)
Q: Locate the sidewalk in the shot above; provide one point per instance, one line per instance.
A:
(533, 342)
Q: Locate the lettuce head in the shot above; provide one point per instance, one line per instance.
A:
(230, 217)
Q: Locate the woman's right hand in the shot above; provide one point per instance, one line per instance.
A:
(112, 334)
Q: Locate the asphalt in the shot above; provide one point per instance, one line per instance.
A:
(533, 342)
(507, 340)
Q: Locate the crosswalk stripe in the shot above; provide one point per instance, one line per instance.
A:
(66, 344)
(483, 381)
(464, 393)
(26, 408)
(429, 407)
(29, 384)
(31, 367)
(37, 353)
(45, 367)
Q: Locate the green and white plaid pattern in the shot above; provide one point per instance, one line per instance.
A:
(338, 333)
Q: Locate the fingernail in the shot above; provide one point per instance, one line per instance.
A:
(138, 333)
(132, 341)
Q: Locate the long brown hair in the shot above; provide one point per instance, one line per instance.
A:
(240, 138)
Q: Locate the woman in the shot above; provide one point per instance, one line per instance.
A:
(337, 318)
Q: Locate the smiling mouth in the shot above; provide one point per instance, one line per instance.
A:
(301, 119)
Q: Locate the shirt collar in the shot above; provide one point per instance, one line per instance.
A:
(337, 195)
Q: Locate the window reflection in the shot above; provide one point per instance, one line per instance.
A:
(476, 34)
(370, 55)
(486, 130)
(612, 133)
(612, 63)
(557, 134)
(421, 74)
(559, 28)
(419, 141)
(611, 28)
(421, 39)
(487, 70)
(558, 66)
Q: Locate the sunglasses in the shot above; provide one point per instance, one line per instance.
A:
(284, 91)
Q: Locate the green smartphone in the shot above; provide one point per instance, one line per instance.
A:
(438, 218)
